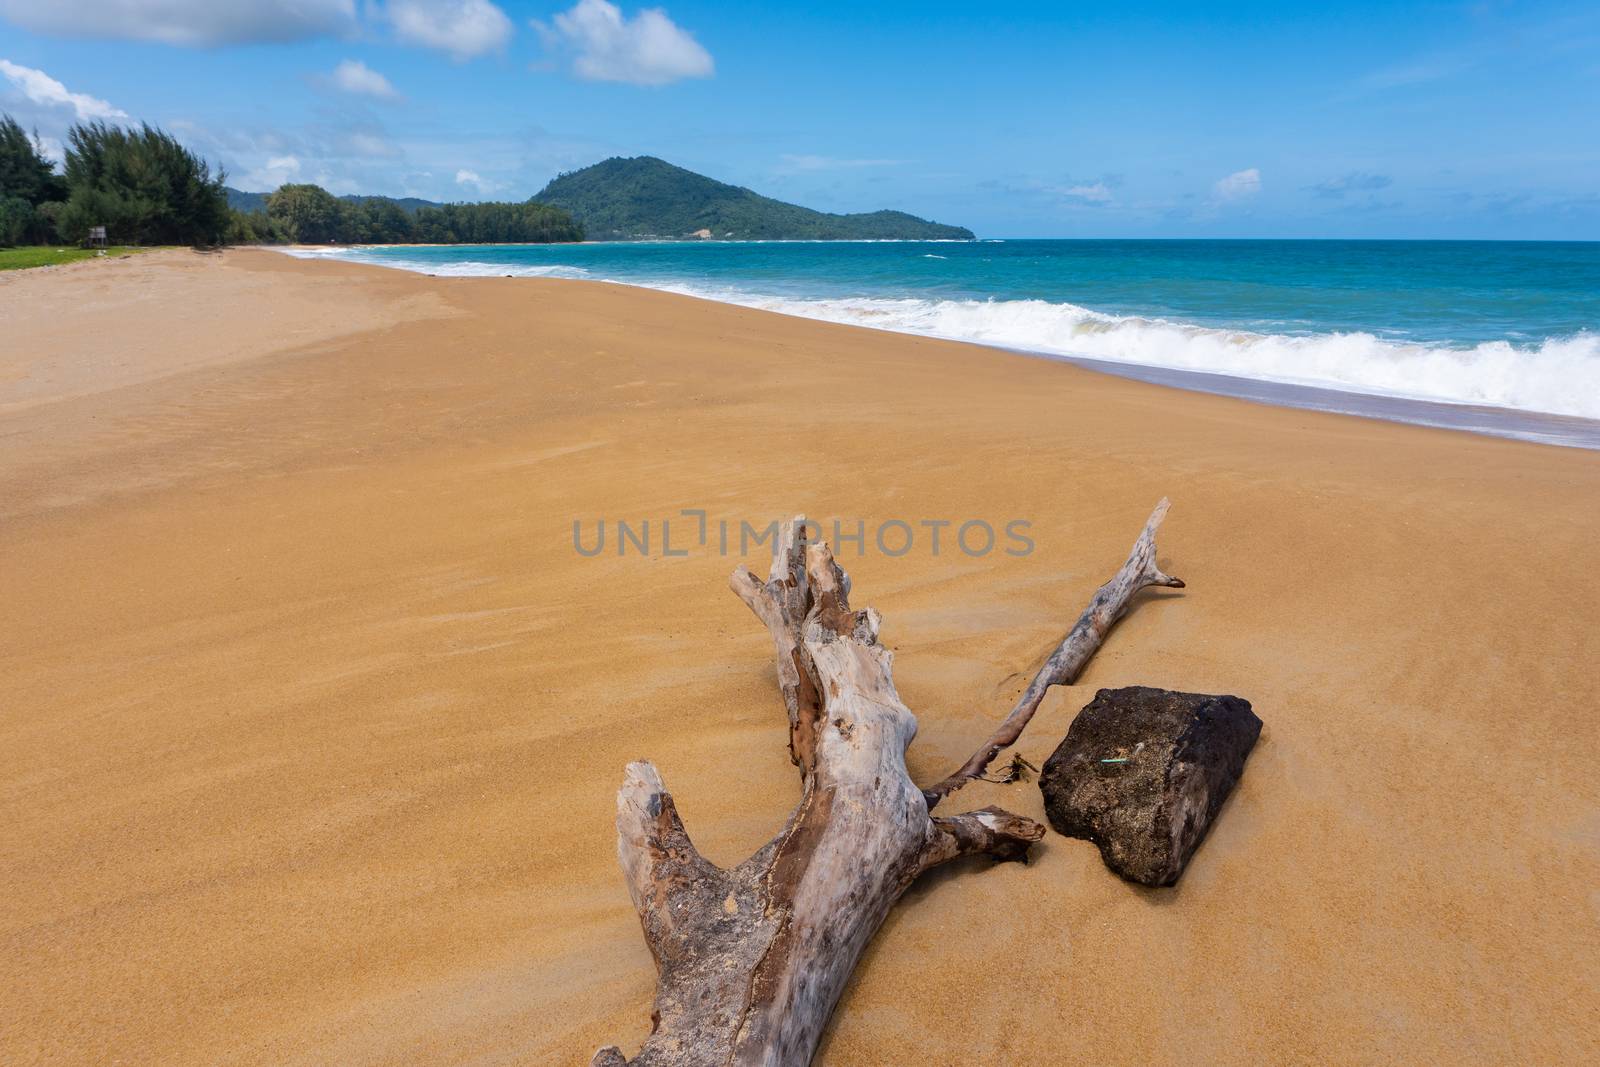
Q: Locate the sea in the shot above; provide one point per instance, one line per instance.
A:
(1492, 337)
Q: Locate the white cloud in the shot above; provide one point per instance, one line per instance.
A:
(201, 23)
(1354, 182)
(485, 186)
(269, 176)
(1095, 193)
(1417, 72)
(42, 89)
(370, 145)
(648, 49)
(462, 28)
(807, 163)
(354, 76)
(1239, 185)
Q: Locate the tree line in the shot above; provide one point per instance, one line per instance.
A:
(140, 183)
(147, 188)
(309, 214)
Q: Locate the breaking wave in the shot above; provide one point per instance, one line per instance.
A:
(1559, 376)
(465, 268)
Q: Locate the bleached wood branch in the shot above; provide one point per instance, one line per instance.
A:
(752, 960)
(1109, 603)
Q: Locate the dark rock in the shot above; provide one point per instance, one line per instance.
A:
(1142, 773)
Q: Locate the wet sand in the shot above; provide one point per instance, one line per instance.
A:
(313, 715)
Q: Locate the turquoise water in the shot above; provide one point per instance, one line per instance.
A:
(1497, 325)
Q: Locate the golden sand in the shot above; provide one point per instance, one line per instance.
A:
(311, 717)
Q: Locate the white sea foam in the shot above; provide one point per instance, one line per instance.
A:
(466, 268)
(1559, 376)
(469, 269)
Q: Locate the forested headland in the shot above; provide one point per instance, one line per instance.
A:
(147, 188)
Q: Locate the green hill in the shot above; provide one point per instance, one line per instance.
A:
(644, 197)
(240, 200)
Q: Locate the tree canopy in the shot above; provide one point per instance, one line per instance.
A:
(145, 187)
(25, 172)
(306, 214)
(28, 182)
(309, 214)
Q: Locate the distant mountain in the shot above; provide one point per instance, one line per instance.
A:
(409, 203)
(644, 197)
(240, 200)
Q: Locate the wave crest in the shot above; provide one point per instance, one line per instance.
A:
(461, 268)
(1559, 376)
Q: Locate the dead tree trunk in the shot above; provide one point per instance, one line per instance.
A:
(752, 960)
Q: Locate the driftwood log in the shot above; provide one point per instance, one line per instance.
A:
(752, 960)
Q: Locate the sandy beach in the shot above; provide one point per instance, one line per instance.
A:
(313, 716)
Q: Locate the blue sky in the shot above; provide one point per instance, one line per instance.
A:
(1171, 120)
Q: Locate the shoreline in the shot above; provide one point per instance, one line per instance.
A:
(317, 716)
(1570, 431)
(1560, 431)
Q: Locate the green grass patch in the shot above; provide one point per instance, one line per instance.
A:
(53, 255)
